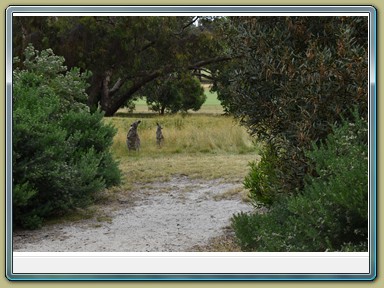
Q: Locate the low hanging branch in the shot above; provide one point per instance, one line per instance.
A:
(111, 104)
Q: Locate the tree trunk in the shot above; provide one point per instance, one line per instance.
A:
(105, 101)
(94, 92)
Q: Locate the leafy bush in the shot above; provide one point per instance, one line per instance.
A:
(60, 150)
(291, 79)
(331, 213)
(264, 232)
(262, 180)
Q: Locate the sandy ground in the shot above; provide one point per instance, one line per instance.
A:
(171, 216)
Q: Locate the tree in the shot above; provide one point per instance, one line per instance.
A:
(60, 151)
(296, 77)
(123, 53)
(175, 92)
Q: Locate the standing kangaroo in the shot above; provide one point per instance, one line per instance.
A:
(159, 135)
(133, 139)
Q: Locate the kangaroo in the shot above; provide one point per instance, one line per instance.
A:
(133, 139)
(159, 135)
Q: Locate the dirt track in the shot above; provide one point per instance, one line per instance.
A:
(171, 216)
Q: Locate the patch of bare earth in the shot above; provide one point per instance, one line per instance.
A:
(180, 215)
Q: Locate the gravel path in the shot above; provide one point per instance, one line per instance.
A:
(165, 217)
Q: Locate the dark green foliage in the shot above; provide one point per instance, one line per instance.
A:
(264, 232)
(339, 192)
(174, 93)
(331, 213)
(60, 150)
(90, 131)
(291, 79)
(123, 53)
(108, 169)
(262, 180)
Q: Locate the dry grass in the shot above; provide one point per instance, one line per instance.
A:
(233, 193)
(224, 243)
(183, 134)
(198, 146)
(228, 168)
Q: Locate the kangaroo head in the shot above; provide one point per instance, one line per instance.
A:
(135, 124)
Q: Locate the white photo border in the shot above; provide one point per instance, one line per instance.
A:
(49, 260)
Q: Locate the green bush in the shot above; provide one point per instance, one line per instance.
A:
(330, 213)
(88, 130)
(264, 232)
(60, 150)
(262, 181)
(333, 209)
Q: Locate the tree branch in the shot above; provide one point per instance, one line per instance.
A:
(117, 86)
(187, 25)
(209, 61)
(111, 108)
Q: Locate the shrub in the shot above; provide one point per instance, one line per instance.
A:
(89, 131)
(60, 150)
(262, 180)
(263, 232)
(330, 213)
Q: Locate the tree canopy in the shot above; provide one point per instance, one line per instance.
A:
(174, 93)
(123, 53)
